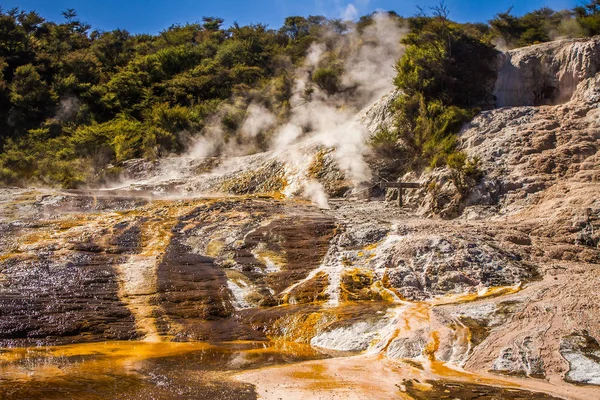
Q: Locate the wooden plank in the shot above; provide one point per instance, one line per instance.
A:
(404, 185)
(411, 185)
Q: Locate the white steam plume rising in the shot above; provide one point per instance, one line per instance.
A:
(318, 118)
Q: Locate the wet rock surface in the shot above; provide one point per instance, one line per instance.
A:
(582, 352)
(166, 269)
(466, 391)
(130, 370)
(46, 302)
(360, 277)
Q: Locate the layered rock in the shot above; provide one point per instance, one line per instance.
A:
(116, 268)
(547, 73)
(525, 150)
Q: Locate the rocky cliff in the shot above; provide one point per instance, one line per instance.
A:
(547, 73)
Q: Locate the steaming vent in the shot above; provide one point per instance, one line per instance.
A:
(319, 151)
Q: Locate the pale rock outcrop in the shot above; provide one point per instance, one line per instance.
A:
(547, 73)
(380, 114)
(522, 357)
(582, 352)
(525, 150)
(528, 145)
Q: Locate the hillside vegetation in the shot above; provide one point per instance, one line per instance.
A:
(75, 102)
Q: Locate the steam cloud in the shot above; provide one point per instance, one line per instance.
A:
(322, 119)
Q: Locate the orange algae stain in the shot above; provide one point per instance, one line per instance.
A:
(300, 350)
(371, 247)
(319, 380)
(214, 248)
(415, 314)
(96, 358)
(368, 251)
(275, 195)
(270, 258)
(301, 328)
(418, 314)
(356, 377)
(310, 290)
(314, 371)
(387, 294)
(8, 256)
(432, 346)
(64, 231)
(480, 295)
(127, 349)
(445, 370)
(138, 274)
(66, 225)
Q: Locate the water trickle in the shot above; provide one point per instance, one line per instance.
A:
(138, 277)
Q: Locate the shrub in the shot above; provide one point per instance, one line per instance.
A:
(464, 172)
(385, 142)
(328, 79)
(119, 139)
(445, 74)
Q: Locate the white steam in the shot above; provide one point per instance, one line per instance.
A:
(351, 11)
(314, 191)
(331, 121)
(258, 119)
(319, 119)
(68, 108)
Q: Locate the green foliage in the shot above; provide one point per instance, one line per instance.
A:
(328, 79)
(464, 172)
(126, 91)
(544, 25)
(119, 139)
(385, 142)
(444, 60)
(43, 158)
(446, 72)
(71, 98)
(588, 17)
(28, 92)
(427, 129)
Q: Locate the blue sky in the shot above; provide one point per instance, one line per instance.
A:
(152, 16)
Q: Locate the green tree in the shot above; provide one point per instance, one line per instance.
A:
(28, 92)
(588, 17)
(446, 72)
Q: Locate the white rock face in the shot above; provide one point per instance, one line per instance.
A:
(356, 337)
(547, 73)
(525, 150)
(582, 352)
(520, 358)
(379, 114)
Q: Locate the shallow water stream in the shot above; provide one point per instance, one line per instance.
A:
(140, 370)
(235, 370)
